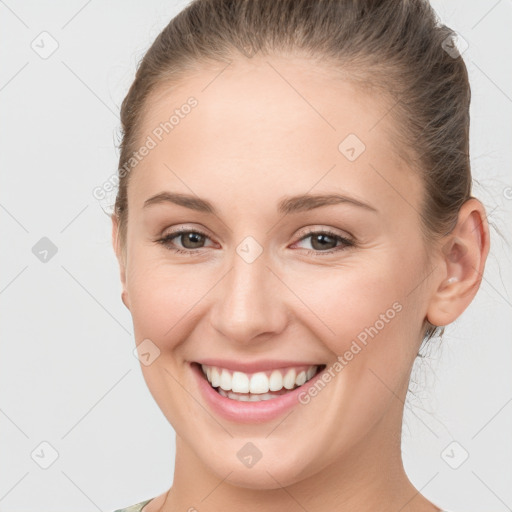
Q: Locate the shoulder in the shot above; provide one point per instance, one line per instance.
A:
(134, 508)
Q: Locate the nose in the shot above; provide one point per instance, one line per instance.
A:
(249, 302)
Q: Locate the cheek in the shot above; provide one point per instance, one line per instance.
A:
(164, 297)
(347, 301)
(367, 312)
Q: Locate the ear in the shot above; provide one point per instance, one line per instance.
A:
(121, 258)
(462, 255)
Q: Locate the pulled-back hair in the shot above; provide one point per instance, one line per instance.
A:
(397, 47)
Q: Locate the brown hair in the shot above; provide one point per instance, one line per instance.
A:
(396, 46)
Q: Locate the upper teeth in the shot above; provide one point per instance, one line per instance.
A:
(260, 382)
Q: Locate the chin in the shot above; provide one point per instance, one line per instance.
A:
(271, 471)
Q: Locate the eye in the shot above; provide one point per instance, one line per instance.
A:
(191, 241)
(326, 242)
(322, 242)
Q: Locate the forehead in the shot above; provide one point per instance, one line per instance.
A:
(263, 126)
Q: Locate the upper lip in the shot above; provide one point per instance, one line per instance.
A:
(254, 366)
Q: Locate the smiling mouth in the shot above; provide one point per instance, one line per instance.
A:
(255, 387)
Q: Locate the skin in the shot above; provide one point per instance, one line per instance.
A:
(252, 140)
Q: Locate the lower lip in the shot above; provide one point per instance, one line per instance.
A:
(249, 412)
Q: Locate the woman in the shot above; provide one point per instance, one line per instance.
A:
(294, 219)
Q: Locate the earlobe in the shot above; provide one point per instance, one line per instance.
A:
(120, 258)
(124, 298)
(462, 256)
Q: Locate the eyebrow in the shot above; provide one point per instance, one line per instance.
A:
(288, 205)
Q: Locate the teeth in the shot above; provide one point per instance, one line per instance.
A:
(289, 379)
(247, 398)
(240, 383)
(225, 380)
(215, 377)
(301, 378)
(259, 383)
(276, 381)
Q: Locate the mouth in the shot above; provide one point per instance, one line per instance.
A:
(258, 386)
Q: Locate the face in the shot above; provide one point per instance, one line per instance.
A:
(264, 280)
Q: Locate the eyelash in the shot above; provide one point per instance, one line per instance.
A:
(310, 252)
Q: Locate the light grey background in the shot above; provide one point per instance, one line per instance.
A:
(68, 376)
